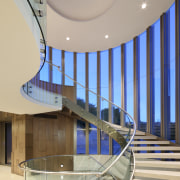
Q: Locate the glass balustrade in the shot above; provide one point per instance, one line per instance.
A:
(38, 8)
(116, 125)
(117, 165)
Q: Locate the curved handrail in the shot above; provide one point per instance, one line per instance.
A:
(43, 36)
(98, 172)
(134, 164)
(117, 158)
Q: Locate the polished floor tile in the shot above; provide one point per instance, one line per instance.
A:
(5, 174)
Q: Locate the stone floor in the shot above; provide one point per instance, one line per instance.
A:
(5, 174)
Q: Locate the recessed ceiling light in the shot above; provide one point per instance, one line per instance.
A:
(67, 38)
(144, 5)
(106, 36)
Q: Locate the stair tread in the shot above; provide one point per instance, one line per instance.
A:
(151, 148)
(157, 172)
(151, 142)
(145, 137)
(158, 155)
(161, 164)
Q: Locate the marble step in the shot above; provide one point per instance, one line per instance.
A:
(170, 175)
(145, 137)
(156, 148)
(160, 164)
(150, 142)
(158, 155)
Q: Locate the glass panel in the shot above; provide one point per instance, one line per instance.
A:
(92, 139)
(56, 59)
(172, 74)
(156, 122)
(104, 143)
(81, 137)
(104, 91)
(116, 55)
(44, 73)
(129, 77)
(81, 79)
(104, 87)
(69, 70)
(116, 147)
(93, 82)
(142, 82)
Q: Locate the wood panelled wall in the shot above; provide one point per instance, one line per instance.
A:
(4, 117)
(18, 143)
(40, 136)
(52, 136)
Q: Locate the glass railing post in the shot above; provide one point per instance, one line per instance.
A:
(25, 171)
(45, 169)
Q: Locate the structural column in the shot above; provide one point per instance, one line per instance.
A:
(165, 98)
(98, 102)
(110, 114)
(87, 101)
(63, 66)
(75, 89)
(50, 66)
(123, 90)
(136, 79)
(150, 80)
(177, 72)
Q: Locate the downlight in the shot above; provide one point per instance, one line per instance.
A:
(67, 38)
(144, 5)
(106, 36)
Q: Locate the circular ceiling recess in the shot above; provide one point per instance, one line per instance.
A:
(80, 10)
(96, 25)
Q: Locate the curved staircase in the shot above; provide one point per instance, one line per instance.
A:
(154, 158)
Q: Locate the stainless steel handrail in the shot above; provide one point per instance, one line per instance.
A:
(134, 164)
(92, 172)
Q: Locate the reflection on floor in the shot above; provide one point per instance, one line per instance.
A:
(5, 174)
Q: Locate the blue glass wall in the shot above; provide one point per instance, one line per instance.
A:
(116, 89)
(142, 82)
(104, 90)
(92, 82)
(129, 78)
(44, 73)
(81, 79)
(81, 137)
(69, 70)
(56, 59)
(171, 74)
(155, 63)
(92, 100)
(156, 59)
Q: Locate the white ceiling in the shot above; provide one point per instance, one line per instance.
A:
(20, 54)
(86, 22)
(19, 61)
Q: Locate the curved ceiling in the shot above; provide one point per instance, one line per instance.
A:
(87, 22)
(73, 10)
(19, 60)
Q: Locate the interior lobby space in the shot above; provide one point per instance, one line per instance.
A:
(90, 90)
